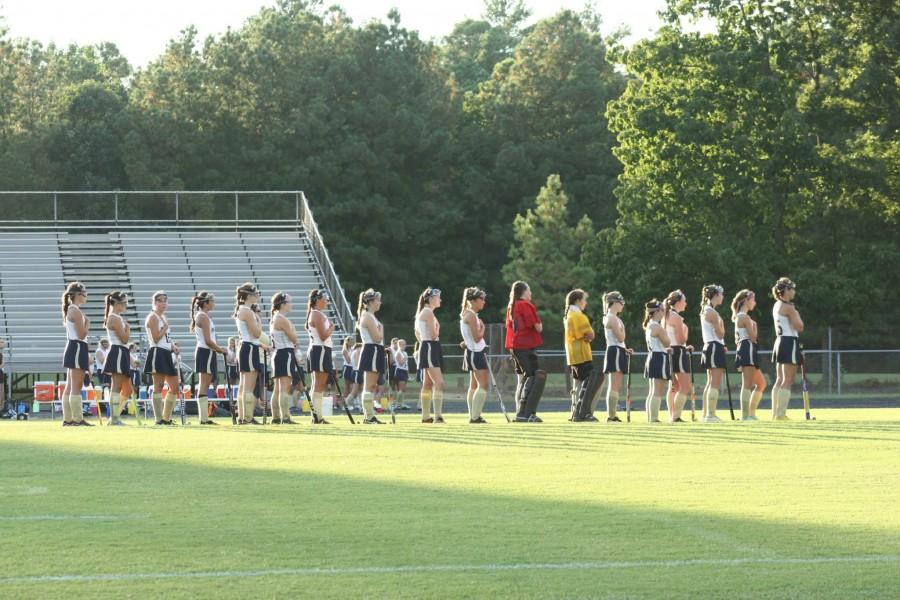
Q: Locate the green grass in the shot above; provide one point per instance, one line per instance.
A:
(634, 503)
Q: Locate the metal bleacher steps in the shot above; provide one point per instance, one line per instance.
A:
(35, 267)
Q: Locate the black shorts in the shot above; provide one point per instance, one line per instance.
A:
(248, 358)
(206, 361)
(319, 358)
(76, 355)
(118, 361)
(358, 375)
(231, 372)
(159, 361)
(284, 362)
(372, 359)
(713, 356)
(681, 360)
(615, 360)
(347, 373)
(430, 355)
(581, 371)
(401, 375)
(474, 361)
(658, 366)
(747, 355)
(787, 350)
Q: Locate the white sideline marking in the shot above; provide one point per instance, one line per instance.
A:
(71, 517)
(572, 566)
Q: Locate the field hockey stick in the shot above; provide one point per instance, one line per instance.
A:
(263, 389)
(693, 390)
(728, 387)
(497, 389)
(628, 390)
(181, 392)
(805, 384)
(334, 380)
(312, 407)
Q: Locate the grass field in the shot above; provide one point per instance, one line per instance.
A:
(558, 510)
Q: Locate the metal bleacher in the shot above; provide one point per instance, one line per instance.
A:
(182, 260)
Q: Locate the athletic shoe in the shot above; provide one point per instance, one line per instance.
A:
(117, 423)
(678, 420)
(712, 419)
(84, 423)
(439, 419)
(208, 422)
(428, 420)
(781, 419)
(523, 419)
(613, 420)
(533, 418)
(749, 419)
(70, 424)
(289, 422)
(321, 422)
(276, 421)
(373, 421)
(655, 421)
(160, 422)
(479, 420)
(591, 419)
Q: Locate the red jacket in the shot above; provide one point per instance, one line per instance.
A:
(520, 322)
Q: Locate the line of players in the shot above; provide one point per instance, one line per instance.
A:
(665, 333)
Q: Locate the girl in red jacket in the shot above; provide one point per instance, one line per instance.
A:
(523, 336)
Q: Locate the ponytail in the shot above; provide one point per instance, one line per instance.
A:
(314, 296)
(76, 287)
(424, 297)
(610, 298)
(738, 303)
(709, 292)
(781, 286)
(112, 298)
(241, 295)
(470, 295)
(650, 308)
(515, 293)
(571, 298)
(671, 300)
(200, 300)
(364, 299)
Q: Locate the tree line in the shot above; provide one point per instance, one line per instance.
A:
(546, 151)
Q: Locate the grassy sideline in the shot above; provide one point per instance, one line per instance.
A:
(736, 510)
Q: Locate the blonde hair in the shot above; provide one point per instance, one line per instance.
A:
(739, 300)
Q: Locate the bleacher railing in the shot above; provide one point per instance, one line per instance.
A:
(102, 211)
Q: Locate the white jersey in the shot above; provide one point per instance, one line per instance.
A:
(364, 333)
(670, 329)
(201, 339)
(469, 337)
(314, 339)
(783, 327)
(100, 358)
(354, 357)
(165, 342)
(611, 339)
(110, 332)
(400, 359)
(244, 332)
(279, 337)
(423, 327)
(654, 344)
(740, 333)
(71, 332)
(708, 328)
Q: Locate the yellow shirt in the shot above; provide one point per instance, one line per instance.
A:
(577, 349)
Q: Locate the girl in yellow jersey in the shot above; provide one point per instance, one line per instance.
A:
(579, 335)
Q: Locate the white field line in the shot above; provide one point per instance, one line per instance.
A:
(72, 517)
(489, 568)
